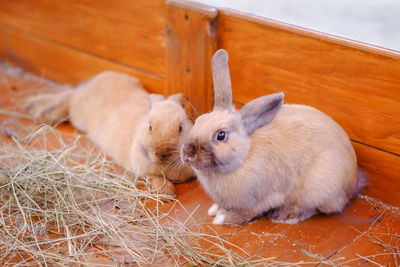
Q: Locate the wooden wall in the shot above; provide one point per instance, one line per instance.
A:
(69, 41)
(357, 85)
(168, 45)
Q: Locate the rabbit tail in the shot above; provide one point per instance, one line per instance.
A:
(362, 181)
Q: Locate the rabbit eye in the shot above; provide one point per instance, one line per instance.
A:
(180, 128)
(150, 128)
(221, 135)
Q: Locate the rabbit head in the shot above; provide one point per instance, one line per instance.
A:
(166, 124)
(219, 141)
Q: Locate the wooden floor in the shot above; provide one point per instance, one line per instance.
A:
(367, 233)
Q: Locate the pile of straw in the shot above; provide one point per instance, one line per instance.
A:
(62, 204)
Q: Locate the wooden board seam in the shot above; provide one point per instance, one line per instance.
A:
(348, 244)
(191, 40)
(374, 147)
(37, 37)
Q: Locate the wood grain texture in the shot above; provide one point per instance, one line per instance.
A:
(379, 245)
(359, 88)
(191, 41)
(383, 173)
(313, 33)
(129, 32)
(61, 63)
(323, 233)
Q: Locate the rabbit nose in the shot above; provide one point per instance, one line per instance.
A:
(164, 154)
(190, 151)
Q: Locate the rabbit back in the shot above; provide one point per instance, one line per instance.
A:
(309, 158)
(109, 108)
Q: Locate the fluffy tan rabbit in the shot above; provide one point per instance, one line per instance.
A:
(288, 161)
(142, 132)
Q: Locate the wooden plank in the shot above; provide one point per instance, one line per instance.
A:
(191, 41)
(357, 85)
(61, 63)
(320, 235)
(378, 246)
(129, 32)
(383, 172)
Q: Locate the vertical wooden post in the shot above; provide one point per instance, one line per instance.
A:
(191, 40)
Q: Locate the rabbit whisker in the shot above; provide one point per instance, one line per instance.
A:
(172, 163)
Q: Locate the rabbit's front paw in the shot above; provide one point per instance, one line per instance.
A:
(162, 186)
(212, 211)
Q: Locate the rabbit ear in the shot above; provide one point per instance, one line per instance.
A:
(221, 80)
(155, 98)
(260, 111)
(178, 98)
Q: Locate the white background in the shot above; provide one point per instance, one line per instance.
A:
(375, 22)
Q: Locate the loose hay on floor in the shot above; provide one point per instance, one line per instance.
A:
(61, 203)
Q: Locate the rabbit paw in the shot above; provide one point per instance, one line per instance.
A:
(224, 217)
(212, 211)
(162, 186)
(290, 214)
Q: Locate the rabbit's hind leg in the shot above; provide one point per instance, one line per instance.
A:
(49, 108)
(291, 214)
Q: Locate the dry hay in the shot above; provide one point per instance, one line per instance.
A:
(61, 203)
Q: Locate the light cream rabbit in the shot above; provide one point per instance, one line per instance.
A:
(288, 161)
(142, 132)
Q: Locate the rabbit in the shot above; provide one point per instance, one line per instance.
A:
(142, 132)
(287, 161)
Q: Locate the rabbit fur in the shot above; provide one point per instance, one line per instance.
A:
(126, 122)
(287, 161)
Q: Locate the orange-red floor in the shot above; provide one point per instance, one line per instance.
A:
(366, 233)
